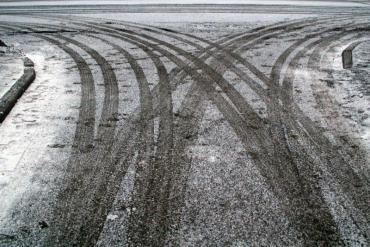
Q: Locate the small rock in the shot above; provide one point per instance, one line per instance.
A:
(253, 155)
(188, 136)
(43, 224)
(56, 145)
(347, 115)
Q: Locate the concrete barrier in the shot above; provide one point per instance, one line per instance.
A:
(11, 97)
(347, 56)
(347, 59)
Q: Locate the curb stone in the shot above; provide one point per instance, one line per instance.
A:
(347, 57)
(10, 98)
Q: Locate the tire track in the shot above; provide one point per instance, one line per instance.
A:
(180, 64)
(165, 105)
(218, 99)
(234, 96)
(213, 96)
(165, 125)
(206, 52)
(307, 206)
(146, 135)
(187, 119)
(157, 190)
(163, 160)
(144, 116)
(351, 154)
(84, 135)
(245, 77)
(71, 198)
(211, 92)
(218, 70)
(200, 79)
(239, 134)
(225, 55)
(163, 79)
(286, 130)
(292, 126)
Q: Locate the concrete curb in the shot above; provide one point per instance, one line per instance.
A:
(10, 98)
(347, 57)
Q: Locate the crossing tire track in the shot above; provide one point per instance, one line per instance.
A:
(160, 174)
